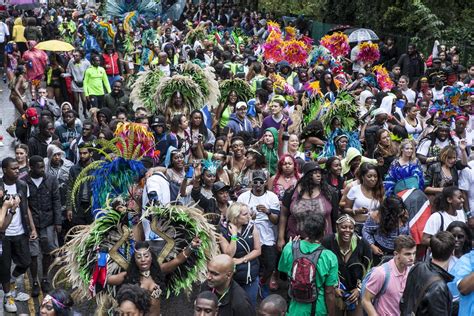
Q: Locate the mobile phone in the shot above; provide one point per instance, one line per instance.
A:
(190, 172)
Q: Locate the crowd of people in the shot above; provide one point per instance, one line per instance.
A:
(347, 180)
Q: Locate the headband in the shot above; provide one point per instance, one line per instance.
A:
(55, 301)
(338, 138)
(253, 151)
(142, 251)
(345, 218)
(461, 117)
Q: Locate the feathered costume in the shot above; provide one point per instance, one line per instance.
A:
(404, 177)
(106, 247)
(241, 87)
(279, 46)
(337, 43)
(206, 79)
(190, 92)
(329, 149)
(368, 53)
(144, 89)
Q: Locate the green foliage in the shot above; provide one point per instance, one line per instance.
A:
(422, 20)
(314, 8)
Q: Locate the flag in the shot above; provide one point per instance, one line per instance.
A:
(207, 116)
(419, 210)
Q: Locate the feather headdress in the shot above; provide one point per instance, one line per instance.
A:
(189, 89)
(368, 53)
(241, 87)
(206, 80)
(383, 79)
(295, 52)
(144, 89)
(337, 43)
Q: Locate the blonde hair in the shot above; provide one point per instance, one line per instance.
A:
(405, 142)
(234, 211)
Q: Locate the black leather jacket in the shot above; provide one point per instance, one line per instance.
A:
(436, 299)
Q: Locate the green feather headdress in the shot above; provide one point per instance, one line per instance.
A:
(78, 256)
(178, 225)
(241, 87)
(189, 89)
(206, 79)
(144, 89)
(345, 109)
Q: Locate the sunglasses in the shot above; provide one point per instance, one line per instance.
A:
(258, 182)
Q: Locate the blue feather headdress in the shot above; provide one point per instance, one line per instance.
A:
(329, 149)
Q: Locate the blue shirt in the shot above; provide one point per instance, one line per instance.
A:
(463, 267)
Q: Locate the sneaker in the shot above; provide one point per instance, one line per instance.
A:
(21, 296)
(35, 289)
(9, 303)
(45, 286)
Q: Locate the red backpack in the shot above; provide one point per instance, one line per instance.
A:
(303, 275)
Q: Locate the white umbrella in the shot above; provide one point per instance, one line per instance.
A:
(362, 35)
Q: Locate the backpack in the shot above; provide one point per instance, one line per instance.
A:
(303, 276)
(382, 290)
(174, 188)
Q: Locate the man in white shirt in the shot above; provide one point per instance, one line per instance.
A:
(265, 208)
(407, 92)
(18, 231)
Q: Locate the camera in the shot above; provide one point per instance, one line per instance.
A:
(9, 196)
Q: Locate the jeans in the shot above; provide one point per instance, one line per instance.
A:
(252, 290)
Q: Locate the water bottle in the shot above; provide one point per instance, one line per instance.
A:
(349, 306)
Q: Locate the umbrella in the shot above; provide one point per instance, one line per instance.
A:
(55, 46)
(340, 28)
(361, 35)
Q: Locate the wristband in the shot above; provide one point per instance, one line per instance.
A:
(234, 238)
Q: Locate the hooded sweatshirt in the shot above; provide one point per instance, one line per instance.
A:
(271, 154)
(18, 33)
(60, 172)
(237, 125)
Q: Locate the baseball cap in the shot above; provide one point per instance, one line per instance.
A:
(32, 116)
(158, 120)
(219, 186)
(436, 60)
(240, 104)
(259, 174)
